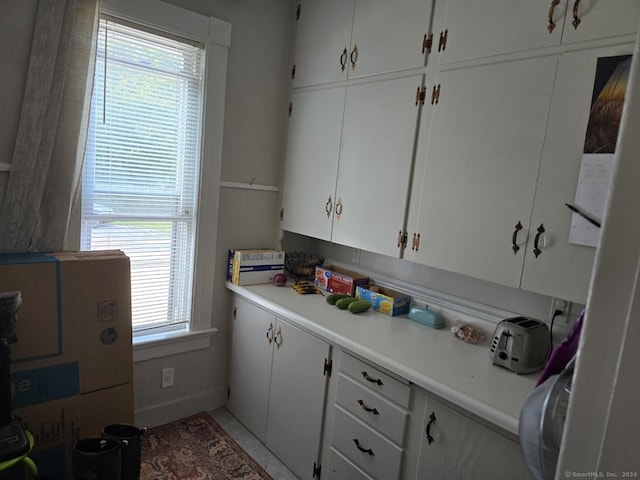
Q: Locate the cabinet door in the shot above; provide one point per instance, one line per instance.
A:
(465, 449)
(323, 40)
(400, 47)
(477, 28)
(250, 369)
(598, 19)
(296, 402)
(315, 129)
(375, 164)
(563, 269)
(483, 154)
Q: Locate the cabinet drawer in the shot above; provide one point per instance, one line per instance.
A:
(373, 453)
(378, 381)
(372, 409)
(342, 469)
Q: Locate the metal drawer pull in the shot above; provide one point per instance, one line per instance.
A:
(552, 24)
(362, 449)
(343, 59)
(576, 19)
(368, 409)
(514, 239)
(536, 242)
(328, 207)
(369, 379)
(278, 336)
(270, 333)
(432, 420)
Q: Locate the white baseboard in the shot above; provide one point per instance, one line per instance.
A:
(159, 414)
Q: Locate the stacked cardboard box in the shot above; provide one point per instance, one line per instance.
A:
(72, 369)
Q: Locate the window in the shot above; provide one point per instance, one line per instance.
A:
(142, 164)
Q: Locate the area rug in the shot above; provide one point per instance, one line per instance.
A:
(195, 448)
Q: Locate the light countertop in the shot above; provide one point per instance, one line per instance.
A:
(433, 359)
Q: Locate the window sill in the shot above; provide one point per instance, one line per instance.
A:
(160, 345)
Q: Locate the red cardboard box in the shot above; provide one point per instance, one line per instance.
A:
(339, 280)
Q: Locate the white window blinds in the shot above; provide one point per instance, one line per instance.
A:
(141, 166)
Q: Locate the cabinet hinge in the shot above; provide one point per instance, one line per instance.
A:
(421, 94)
(328, 366)
(298, 12)
(293, 71)
(290, 108)
(435, 94)
(442, 43)
(316, 470)
(427, 43)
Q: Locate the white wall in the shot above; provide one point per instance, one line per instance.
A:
(253, 152)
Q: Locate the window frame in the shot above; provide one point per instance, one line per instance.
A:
(215, 34)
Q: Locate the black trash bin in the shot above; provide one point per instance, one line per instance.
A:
(131, 452)
(97, 459)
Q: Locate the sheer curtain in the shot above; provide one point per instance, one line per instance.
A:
(47, 160)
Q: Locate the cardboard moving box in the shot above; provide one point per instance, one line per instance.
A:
(72, 365)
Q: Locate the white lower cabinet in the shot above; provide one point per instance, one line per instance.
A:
(369, 420)
(277, 385)
(455, 445)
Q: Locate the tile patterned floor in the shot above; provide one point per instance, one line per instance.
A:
(254, 447)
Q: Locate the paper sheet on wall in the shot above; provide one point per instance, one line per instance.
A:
(591, 197)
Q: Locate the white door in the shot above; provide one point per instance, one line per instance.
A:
(375, 164)
(250, 369)
(563, 269)
(296, 402)
(483, 153)
(323, 41)
(315, 129)
(464, 449)
(388, 36)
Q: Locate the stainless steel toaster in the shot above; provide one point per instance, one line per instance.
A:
(521, 344)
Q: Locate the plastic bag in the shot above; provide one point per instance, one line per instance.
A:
(467, 333)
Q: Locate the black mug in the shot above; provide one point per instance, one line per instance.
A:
(97, 459)
(131, 451)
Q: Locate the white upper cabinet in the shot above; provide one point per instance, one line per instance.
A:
(338, 39)
(481, 155)
(349, 162)
(313, 150)
(596, 19)
(562, 268)
(473, 29)
(323, 40)
(477, 28)
(375, 164)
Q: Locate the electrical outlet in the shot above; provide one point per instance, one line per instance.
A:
(355, 255)
(167, 377)
(558, 304)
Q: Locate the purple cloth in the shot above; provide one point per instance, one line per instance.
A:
(564, 352)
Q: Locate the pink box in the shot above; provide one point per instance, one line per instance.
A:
(339, 280)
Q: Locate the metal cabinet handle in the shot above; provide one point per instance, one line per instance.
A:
(514, 239)
(536, 242)
(432, 420)
(278, 338)
(576, 19)
(270, 333)
(372, 380)
(442, 42)
(339, 208)
(368, 409)
(354, 57)
(328, 207)
(362, 449)
(343, 59)
(552, 24)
